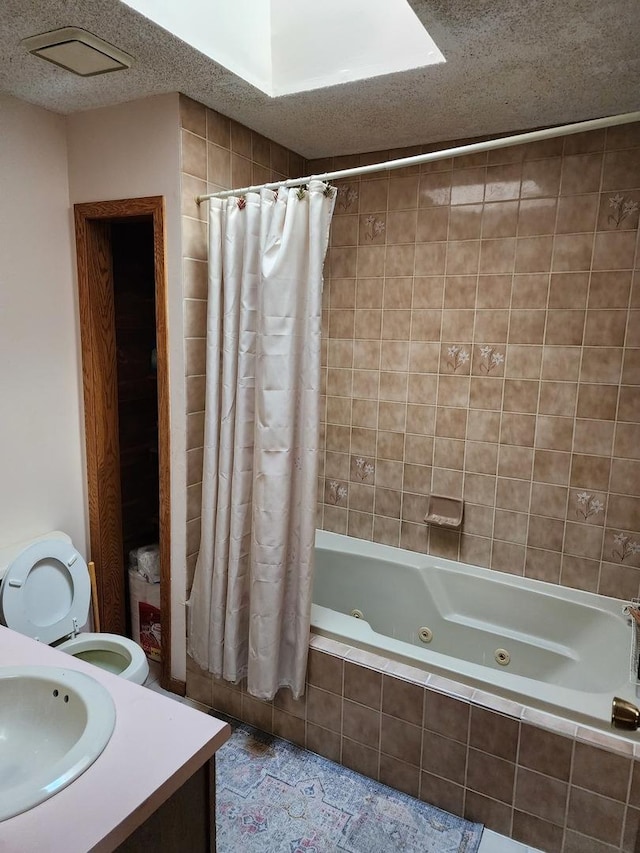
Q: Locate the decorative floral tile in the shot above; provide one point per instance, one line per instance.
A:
(362, 470)
(335, 493)
(347, 200)
(488, 360)
(621, 546)
(619, 211)
(372, 229)
(455, 358)
(587, 507)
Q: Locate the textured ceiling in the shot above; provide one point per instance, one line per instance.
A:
(511, 64)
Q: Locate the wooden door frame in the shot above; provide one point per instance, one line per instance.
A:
(99, 379)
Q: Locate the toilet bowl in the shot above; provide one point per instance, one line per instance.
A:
(111, 652)
(45, 593)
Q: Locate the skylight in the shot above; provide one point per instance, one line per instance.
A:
(288, 46)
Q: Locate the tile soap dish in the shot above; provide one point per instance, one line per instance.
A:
(444, 512)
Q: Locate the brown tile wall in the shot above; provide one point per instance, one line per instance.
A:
(216, 154)
(544, 788)
(482, 340)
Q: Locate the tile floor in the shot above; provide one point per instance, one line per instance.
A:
(491, 841)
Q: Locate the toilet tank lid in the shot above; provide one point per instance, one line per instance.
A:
(8, 553)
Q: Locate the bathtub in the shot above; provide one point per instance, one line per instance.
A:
(548, 647)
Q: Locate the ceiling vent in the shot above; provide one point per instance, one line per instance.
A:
(78, 51)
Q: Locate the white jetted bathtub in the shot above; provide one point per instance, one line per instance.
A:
(545, 646)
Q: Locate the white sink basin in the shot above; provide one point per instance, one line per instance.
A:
(54, 723)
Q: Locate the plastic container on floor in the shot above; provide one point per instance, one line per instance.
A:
(145, 614)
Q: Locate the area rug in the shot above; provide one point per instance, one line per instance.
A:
(274, 797)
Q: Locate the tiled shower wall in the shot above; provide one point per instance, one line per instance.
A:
(482, 341)
(216, 154)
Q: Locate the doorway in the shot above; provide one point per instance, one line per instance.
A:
(122, 292)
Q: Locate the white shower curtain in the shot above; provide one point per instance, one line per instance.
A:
(250, 602)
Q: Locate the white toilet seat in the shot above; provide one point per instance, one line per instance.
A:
(118, 650)
(45, 593)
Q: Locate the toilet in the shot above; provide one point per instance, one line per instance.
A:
(45, 593)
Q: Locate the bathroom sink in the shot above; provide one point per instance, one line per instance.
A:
(54, 723)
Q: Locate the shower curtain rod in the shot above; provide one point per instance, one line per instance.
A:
(502, 142)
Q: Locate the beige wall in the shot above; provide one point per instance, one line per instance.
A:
(128, 151)
(41, 445)
(52, 163)
(216, 154)
(482, 341)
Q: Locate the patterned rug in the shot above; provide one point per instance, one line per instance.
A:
(274, 797)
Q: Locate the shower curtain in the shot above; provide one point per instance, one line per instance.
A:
(250, 603)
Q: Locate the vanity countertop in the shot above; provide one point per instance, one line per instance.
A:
(157, 744)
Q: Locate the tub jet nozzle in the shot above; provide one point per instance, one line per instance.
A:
(624, 715)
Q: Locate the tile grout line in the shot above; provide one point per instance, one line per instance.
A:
(584, 336)
(546, 322)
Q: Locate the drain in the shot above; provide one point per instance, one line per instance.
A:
(357, 614)
(502, 657)
(425, 634)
